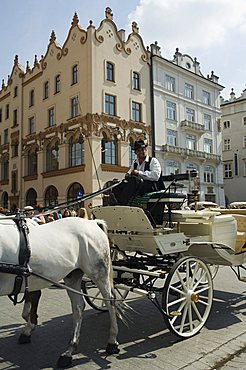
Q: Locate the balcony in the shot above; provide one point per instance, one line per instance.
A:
(189, 153)
(192, 126)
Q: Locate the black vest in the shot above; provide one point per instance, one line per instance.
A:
(159, 184)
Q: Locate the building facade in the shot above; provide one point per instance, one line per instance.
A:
(67, 123)
(187, 121)
(233, 124)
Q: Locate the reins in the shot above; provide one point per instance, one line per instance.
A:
(63, 286)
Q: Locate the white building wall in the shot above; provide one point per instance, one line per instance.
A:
(179, 152)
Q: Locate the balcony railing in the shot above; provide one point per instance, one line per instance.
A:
(194, 126)
(191, 153)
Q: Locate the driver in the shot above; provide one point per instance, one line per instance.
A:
(143, 176)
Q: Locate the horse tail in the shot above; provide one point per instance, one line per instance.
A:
(102, 224)
(122, 308)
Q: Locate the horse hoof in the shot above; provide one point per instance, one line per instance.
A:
(64, 361)
(112, 349)
(23, 339)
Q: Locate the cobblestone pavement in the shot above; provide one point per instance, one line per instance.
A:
(145, 344)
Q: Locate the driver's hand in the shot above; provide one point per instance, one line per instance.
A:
(135, 172)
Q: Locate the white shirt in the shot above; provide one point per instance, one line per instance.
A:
(154, 170)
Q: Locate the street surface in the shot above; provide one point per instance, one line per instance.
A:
(145, 344)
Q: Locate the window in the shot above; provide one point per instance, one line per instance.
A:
(31, 124)
(206, 97)
(171, 167)
(15, 150)
(1, 115)
(51, 196)
(227, 144)
(76, 152)
(136, 81)
(5, 168)
(227, 124)
(191, 142)
(52, 157)
(109, 150)
(110, 106)
(172, 137)
(14, 182)
(169, 83)
(191, 167)
(236, 164)
(57, 84)
(190, 115)
(244, 168)
(109, 71)
(189, 91)
(15, 91)
(244, 142)
(74, 107)
(7, 111)
(15, 118)
(227, 170)
(32, 160)
(208, 174)
(171, 111)
(75, 74)
(31, 98)
(75, 191)
(207, 122)
(244, 121)
(136, 112)
(51, 117)
(6, 136)
(46, 90)
(132, 154)
(208, 145)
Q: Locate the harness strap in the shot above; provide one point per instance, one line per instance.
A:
(24, 257)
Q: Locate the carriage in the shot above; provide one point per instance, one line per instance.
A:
(158, 250)
(170, 254)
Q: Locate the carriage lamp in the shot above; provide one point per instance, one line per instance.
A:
(195, 187)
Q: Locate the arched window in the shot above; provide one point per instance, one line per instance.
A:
(75, 192)
(52, 157)
(109, 150)
(32, 161)
(172, 167)
(191, 167)
(132, 155)
(76, 152)
(209, 174)
(5, 200)
(31, 197)
(51, 196)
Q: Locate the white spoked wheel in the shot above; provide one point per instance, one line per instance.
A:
(187, 296)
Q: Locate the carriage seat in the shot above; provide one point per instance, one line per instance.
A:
(241, 233)
(156, 202)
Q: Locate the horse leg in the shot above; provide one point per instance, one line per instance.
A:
(29, 314)
(73, 280)
(104, 286)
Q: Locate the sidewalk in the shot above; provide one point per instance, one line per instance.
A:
(146, 344)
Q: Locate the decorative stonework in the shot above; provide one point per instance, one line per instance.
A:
(135, 27)
(108, 13)
(75, 20)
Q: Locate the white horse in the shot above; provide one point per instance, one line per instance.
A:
(64, 249)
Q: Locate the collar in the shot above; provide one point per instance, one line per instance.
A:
(146, 160)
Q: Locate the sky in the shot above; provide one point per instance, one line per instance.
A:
(213, 31)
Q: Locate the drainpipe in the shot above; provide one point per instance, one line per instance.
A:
(152, 108)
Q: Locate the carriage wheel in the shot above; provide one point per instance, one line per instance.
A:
(95, 296)
(187, 296)
(213, 271)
